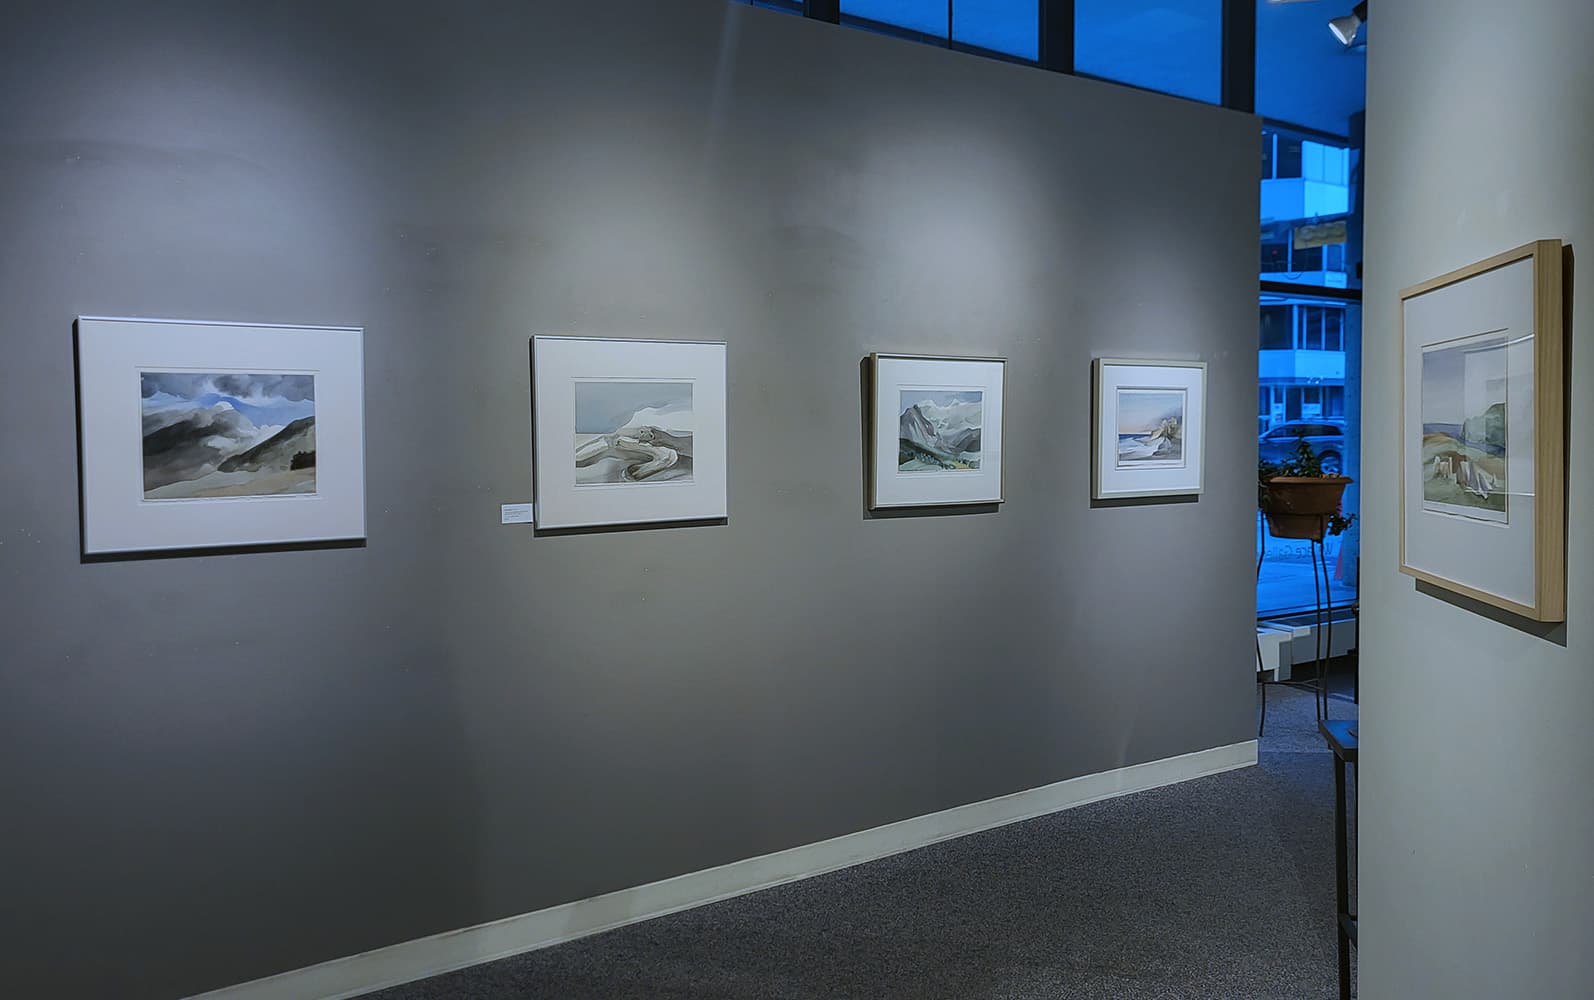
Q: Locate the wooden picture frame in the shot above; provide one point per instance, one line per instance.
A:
(1483, 439)
(946, 475)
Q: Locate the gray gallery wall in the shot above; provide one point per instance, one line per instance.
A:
(1477, 832)
(219, 768)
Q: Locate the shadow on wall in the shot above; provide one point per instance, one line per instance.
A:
(1549, 631)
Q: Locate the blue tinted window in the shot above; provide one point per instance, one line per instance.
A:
(788, 6)
(926, 16)
(1010, 26)
(1175, 46)
(1304, 75)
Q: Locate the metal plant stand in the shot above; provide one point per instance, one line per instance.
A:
(1322, 633)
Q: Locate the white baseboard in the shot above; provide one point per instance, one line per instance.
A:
(429, 956)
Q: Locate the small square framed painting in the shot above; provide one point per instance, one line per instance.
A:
(628, 431)
(936, 430)
(1150, 428)
(210, 435)
(1483, 476)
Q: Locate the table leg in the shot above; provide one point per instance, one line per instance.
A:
(1341, 876)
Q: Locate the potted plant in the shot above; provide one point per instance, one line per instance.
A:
(1298, 499)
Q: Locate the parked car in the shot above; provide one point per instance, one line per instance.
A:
(1326, 435)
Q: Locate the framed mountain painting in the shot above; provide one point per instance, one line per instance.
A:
(209, 435)
(936, 435)
(1149, 438)
(1483, 477)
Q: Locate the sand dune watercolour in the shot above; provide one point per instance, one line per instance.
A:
(628, 431)
(633, 432)
(1465, 439)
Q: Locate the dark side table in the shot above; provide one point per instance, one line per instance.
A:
(1342, 739)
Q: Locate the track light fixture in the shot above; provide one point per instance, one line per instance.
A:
(1345, 28)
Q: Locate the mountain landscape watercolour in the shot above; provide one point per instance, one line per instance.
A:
(633, 432)
(938, 430)
(935, 433)
(219, 434)
(210, 435)
(1465, 438)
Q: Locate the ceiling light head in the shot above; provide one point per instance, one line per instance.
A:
(1345, 28)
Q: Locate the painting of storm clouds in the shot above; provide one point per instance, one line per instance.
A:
(209, 435)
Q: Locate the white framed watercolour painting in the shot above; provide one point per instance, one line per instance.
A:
(213, 435)
(1149, 433)
(628, 431)
(935, 434)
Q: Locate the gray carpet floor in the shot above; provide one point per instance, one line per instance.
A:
(1222, 887)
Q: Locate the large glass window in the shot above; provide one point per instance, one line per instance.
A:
(1007, 27)
(1304, 76)
(1278, 328)
(1011, 27)
(1306, 371)
(1309, 88)
(926, 17)
(1175, 46)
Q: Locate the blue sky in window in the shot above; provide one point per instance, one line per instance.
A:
(1010, 26)
(928, 16)
(1173, 46)
(1304, 76)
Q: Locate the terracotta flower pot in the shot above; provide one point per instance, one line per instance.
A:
(1300, 506)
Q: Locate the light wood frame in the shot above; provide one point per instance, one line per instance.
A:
(1549, 445)
(873, 402)
(1097, 367)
